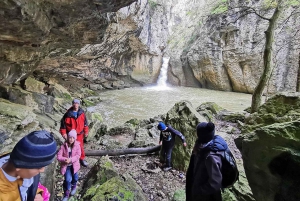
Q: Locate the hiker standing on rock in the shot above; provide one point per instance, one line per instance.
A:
(204, 177)
(75, 118)
(68, 156)
(167, 140)
(20, 170)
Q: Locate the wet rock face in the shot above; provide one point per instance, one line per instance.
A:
(271, 151)
(123, 42)
(225, 54)
(31, 30)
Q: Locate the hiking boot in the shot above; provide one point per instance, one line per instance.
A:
(73, 190)
(84, 163)
(66, 195)
(167, 169)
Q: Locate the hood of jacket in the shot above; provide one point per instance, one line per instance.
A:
(216, 144)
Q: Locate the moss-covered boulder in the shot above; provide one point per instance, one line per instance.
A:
(34, 85)
(271, 156)
(16, 121)
(121, 130)
(233, 117)
(104, 183)
(143, 139)
(95, 125)
(280, 108)
(209, 110)
(58, 91)
(102, 171)
(184, 118)
(120, 188)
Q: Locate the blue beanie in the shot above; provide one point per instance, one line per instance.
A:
(161, 126)
(35, 150)
(205, 132)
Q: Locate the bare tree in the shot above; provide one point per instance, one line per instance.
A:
(277, 6)
(267, 58)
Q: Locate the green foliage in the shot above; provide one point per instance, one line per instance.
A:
(220, 8)
(152, 4)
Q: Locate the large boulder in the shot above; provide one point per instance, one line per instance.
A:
(270, 147)
(143, 139)
(34, 85)
(271, 158)
(16, 121)
(280, 108)
(184, 118)
(104, 183)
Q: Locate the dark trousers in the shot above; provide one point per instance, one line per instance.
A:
(70, 178)
(167, 153)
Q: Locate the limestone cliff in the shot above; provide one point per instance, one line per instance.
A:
(116, 44)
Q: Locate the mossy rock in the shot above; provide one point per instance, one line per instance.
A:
(102, 171)
(280, 104)
(20, 112)
(134, 122)
(179, 195)
(184, 118)
(121, 188)
(210, 106)
(233, 117)
(34, 85)
(209, 110)
(120, 130)
(271, 158)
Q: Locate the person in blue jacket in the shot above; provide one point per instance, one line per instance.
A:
(167, 140)
(204, 176)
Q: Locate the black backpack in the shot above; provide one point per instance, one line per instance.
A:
(230, 172)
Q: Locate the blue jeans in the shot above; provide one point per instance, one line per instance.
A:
(70, 178)
(167, 151)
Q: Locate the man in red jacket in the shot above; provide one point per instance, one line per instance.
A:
(75, 118)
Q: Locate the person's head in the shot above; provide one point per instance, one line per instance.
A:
(72, 136)
(161, 126)
(33, 153)
(75, 104)
(205, 132)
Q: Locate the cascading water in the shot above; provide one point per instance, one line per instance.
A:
(162, 79)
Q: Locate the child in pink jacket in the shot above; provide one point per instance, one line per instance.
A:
(68, 156)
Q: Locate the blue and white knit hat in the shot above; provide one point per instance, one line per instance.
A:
(35, 150)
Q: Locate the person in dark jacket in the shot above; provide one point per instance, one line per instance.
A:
(20, 170)
(75, 119)
(204, 177)
(167, 140)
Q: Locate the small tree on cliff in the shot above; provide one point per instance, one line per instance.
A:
(277, 6)
(267, 58)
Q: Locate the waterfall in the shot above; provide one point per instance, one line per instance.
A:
(162, 79)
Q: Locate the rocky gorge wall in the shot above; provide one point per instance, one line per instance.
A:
(121, 44)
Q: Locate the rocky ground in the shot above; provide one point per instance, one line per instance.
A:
(146, 169)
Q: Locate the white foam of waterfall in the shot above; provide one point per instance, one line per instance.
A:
(163, 76)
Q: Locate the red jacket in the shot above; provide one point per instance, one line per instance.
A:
(69, 122)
